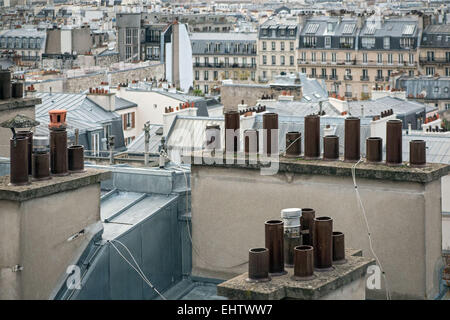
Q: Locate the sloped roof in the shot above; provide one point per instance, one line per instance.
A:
(82, 113)
(139, 142)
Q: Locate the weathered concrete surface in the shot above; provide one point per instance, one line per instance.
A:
(44, 188)
(323, 285)
(36, 225)
(431, 172)
(231, 202)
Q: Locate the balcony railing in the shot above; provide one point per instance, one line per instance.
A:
(225, 65)
(434, 61)
(334, 77)
(364, 78)
(379, 79)
(348, 77)
(348, 95)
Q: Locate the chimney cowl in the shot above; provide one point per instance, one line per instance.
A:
(57, 119)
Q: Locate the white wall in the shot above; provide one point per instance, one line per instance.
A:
(146, 101)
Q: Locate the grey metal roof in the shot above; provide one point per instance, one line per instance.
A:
(297, 108)
(189, 132)
(437, 36)
(228, 43)
(434, 88)
(438, 146)
(124, 104)
(374, 107)
(82, 113)
(155, 139)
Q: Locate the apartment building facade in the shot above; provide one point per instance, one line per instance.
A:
(277, 48)
(435, 51)
(129, 36)
(25, 46)
(353, 55)
(221, 56)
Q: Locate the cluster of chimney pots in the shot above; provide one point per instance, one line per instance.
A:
(312, 150)
(40, 158)
(301, 241)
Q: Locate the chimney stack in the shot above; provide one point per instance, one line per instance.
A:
(58, 143)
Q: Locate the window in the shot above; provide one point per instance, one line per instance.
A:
(273, 46)
(282, 46)
(129, 120)
(274, 60)
(379, 74)
(327, 42)
(309, 42)
(436, 89)
(447, 71)
(324, 73)
(313, 56)
(303, 70)
(368, 42)
(3, 42)
(386, 42)
(313, 72)
(406, 43)
(253, 75)
(430, 55)
(411, 58)
(216, 61)
(430, 71)
(291, 60)
(390, 59)
(264, 46)
(206, 89)
(348, 57)
(216, 75)
(303, 56)
(333, 57)
(264, 59)
(291, 46)
(365, 74)
(197, 75)
(95, 138)
(324, 57)
(282, 62)
(128, 36)
(364, 57)
(447, 56)
(227, 62)
(346, 42)
(205, 75)
(400, 58)
(379, 58)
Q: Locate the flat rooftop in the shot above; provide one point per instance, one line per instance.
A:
(299, 165)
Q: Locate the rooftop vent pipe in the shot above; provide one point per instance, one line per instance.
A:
(58, 143)
(303, 263)
(258, 265)
(352, 139)
(374, 149)
(17, 89)
(338, 248)
(19, 161)
(212, 137)
(307, 225)
(394, 142)
(331, 147)
(232, 125)
(5, 84)
(270, 133)
(312, 137)
(41, 158)
(28, 135)
(251, 141)
(293, 144)
(417, 153)
(292, 236)
(323, 243)
(274, 242)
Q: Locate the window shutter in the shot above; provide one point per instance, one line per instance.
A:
(133, 119)
(124, 121)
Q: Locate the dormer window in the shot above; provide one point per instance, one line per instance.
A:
(330, 27)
